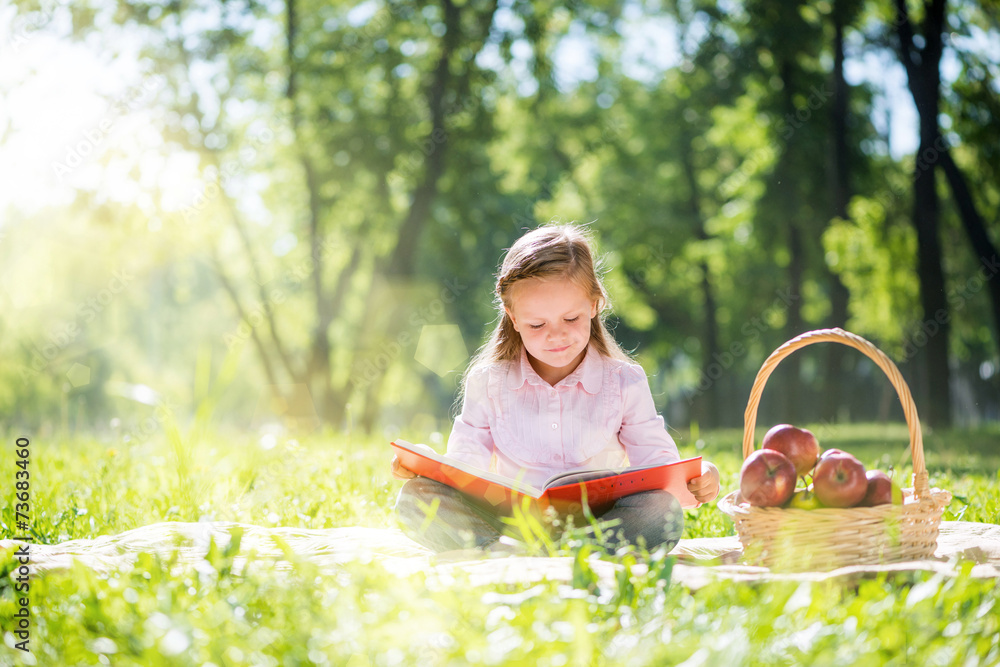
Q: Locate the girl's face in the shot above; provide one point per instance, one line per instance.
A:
(553, 317)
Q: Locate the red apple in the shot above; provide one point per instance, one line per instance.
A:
(798, 444)
(767, 478)
(881, 490)
(839, 480)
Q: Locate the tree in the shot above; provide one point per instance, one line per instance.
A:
(842, 15)
(363, 167)
(922, 64)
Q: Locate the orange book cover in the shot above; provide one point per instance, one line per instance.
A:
(564, 491)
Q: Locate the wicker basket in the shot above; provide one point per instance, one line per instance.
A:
(828, 538)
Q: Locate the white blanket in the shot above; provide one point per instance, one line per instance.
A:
(700, 560)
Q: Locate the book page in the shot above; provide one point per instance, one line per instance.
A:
(587, 474)
(576, 476)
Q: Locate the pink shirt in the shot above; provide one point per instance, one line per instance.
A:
(599, 416)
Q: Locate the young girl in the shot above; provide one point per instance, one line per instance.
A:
(551, 391)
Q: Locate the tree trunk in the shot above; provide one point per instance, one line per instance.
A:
(707, 408)
(793, 410)
(712, 406)
(790, 371)
(234, 296)
(935, 327)
(317, 376)
(833, 394)
(444, 90)
(403, 260)
(330, 402)
(924, 79)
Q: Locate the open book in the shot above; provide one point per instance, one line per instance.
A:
(565, 491)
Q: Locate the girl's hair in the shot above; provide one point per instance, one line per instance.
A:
(551, 251)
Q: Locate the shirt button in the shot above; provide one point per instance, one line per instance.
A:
(555, 426)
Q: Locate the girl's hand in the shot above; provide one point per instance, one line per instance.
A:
(398, 471)
(706, 487)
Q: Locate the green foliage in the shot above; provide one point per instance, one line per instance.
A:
(321, 194)
(871, 255)
(84, 487)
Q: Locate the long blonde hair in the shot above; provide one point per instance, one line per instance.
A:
(547, 252)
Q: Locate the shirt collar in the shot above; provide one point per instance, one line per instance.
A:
(590, 373)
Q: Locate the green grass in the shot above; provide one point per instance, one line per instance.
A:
(165, 613)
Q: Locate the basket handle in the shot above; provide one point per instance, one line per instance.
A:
(921, 485)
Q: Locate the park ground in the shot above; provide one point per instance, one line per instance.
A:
(157, 614)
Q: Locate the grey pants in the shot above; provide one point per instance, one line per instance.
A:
(461, 521)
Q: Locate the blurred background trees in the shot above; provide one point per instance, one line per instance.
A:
(293, 211)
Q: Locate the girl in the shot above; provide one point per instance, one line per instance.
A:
(551, 391)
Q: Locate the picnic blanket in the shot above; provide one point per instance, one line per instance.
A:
(700, 561)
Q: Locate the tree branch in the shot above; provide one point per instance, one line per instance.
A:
(235, 299)
(344, 279)
(265, 301)
(975, 229)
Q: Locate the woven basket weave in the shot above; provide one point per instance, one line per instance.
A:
(828, 538)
